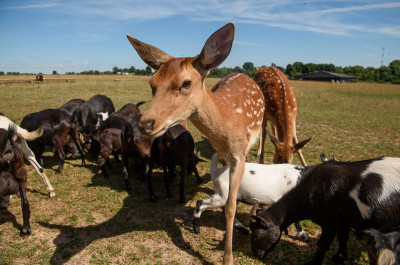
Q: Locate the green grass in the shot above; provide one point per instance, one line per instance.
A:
(93, 220)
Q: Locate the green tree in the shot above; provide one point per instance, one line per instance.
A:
(395, 67)
(116, 70)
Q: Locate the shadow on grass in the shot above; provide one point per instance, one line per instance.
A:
(7, 216)
(135, 214)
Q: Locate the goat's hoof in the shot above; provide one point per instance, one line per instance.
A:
(182, 200)
(196, 225)
(84, 164)
(52, 194)
(196, 229)
(304, 237)
(153, 198)
(58, 171)
(25, 231)
(200, 181)
(41, 170)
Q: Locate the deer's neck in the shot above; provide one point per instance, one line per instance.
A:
(209, 119)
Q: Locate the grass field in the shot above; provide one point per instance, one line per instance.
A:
(93, 220)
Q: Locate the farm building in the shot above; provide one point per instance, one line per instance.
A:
(327, 76)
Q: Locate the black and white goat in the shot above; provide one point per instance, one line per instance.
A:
(338, 196)
(23, 136)
(384, 244)
(262, 184)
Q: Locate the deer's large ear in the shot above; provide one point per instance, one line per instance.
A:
(151, 55)
(216, 49)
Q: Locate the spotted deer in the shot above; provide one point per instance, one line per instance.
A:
(281, 111)
(230, 115)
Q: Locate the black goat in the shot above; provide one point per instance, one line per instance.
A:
(13, 175)
(337, 196)
(136, 146)
(56, 125)
(70, 107)
(175, 148)
(109, 133)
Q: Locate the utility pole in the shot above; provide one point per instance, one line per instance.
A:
(383, 51)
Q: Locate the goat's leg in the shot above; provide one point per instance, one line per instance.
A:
(148, 177)
(215, 201)
(26, 213)
(60, 152)
(125, 173)
(196, 173)
(236, 171)
(327, 236)
(30, 156)
(343, 237)
(166, 180)
(263, 133)
(182, 182)
(116, 156)
(103, 159)
(75, 137)
(302, 234)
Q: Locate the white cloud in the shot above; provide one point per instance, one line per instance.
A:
(327, 17)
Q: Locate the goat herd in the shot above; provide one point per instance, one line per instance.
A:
(363, 196)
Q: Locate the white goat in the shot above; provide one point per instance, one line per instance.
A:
(22, 136)
(261, 184)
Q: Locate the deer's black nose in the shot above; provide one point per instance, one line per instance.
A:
(147, 126)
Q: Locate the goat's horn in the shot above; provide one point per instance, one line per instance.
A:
(255, 207)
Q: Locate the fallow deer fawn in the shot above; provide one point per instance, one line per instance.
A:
(230, 115)
(281, 111)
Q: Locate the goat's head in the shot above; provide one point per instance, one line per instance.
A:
(284, 152)
(264, 235)
(101, 117)
(7, 145)
(379, 249)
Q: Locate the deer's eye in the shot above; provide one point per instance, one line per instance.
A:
(185, 85)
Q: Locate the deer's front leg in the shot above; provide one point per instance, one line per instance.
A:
(236, 171)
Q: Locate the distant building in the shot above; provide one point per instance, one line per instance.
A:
(327, 77)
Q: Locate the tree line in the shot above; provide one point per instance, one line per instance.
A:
(383, 74)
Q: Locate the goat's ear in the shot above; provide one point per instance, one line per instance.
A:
(151, 55)
(273, 139)
(323, 157)
(301, 144)
(216, 49)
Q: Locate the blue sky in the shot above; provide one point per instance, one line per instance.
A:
(46, 35)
